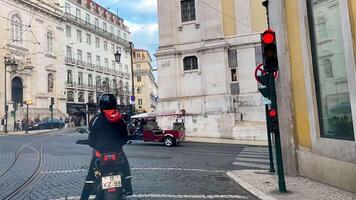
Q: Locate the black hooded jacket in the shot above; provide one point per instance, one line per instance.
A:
(108, 134)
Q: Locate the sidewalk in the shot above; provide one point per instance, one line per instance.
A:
(264, 185)
(29, 132)
(227, 141)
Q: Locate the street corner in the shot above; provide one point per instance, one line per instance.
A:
(264, 185)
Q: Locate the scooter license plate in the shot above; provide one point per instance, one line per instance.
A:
(109, 182)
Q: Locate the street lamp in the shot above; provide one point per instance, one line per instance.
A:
(117, 57)
(9, 62)
(27, 102)
(118, 60)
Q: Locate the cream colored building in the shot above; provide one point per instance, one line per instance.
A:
(207, 54)
(145, 83)
(92, 36)
(316, 90)
(32, 34)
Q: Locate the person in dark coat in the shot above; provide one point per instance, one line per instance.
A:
(107, 134)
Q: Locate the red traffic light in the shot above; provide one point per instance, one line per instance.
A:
(272, 113)
(268, 37)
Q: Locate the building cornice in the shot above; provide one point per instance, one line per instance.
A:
(44, 7)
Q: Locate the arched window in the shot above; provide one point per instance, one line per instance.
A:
(16, 28)
(17, 90)
(50, 83)
(50, 42)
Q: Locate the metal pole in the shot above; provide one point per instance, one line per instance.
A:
(52, 118)
(270, 150)
(27, 119)
(15, 106)
(279, 160)
(5, 98)
(132, 77)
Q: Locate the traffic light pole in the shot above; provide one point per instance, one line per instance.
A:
(278, 147)
(27, 118)
(269, 138)
(52, 118)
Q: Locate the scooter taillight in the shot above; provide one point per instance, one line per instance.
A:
(97, 154)
(110, 157)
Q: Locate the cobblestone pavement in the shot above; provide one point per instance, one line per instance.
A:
(189, 171)
(298, 187)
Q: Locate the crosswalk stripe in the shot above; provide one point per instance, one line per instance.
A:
(255, 165)
(253, 156)
(251, 159)
(170, 196)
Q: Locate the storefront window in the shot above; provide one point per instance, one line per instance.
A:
(330, 72)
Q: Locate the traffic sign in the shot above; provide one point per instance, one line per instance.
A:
(133, 98)
(266, 101)
(259, 70)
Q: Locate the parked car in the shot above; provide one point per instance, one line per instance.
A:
(47, 124)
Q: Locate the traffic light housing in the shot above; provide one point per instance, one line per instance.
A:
(51, 105)
(269, 51)
(52, 101)
(265, 90)
(273, 115)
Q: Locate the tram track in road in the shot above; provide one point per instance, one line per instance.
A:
(33, 176)
(14, 161)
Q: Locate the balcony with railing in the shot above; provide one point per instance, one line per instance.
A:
(99, 68)
(100, 31)
(69, 60)
(89, 65)
(80, 63)
(90, 87)
(71, 84)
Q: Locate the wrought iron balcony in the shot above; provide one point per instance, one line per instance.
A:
(80, 63)
(91, 27)
(70, 60)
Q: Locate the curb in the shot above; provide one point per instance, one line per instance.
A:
(29, 133)
(226, 141)
(249, 187)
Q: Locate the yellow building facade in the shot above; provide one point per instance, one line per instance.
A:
(317, 88)
(145, 84)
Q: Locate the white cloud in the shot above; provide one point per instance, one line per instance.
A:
(148, 28)
(146, 6)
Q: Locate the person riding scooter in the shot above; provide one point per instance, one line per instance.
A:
(107, 134)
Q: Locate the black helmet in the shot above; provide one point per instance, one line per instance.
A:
(107, 102)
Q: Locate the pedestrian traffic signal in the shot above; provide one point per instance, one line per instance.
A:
(269, 51)
(273, 119)
(52, 101)
(264, 88)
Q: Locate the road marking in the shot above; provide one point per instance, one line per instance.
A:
(252, 156)
(135, 168)
(252, 159)
(255, 165)
(181, 169)
(170, 196)
(63, 171)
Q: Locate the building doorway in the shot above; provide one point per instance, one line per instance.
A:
(17, 90)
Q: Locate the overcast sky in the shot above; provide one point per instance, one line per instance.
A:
(141, 17)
